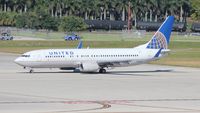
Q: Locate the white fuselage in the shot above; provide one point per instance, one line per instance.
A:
(59, 58)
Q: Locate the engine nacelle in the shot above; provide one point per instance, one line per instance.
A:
(89, 67)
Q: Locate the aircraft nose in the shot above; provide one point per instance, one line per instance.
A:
(18, 60)
(21, 61)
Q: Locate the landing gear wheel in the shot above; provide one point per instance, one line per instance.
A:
(31, 71)
(69, 38)
(102, 71)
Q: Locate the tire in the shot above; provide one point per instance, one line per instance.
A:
(102, 71)
(31, 71)
(70, 38)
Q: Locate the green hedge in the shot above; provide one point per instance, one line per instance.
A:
(34, 20)
(72, 23)
(8, 19)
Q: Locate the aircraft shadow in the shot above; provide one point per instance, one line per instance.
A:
(138, 73)
(150, 71)
(132, 73)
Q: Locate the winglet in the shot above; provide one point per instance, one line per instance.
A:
(80, 45)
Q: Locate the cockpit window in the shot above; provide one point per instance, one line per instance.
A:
(25, 55)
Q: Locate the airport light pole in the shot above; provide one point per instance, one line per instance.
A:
(129, 16)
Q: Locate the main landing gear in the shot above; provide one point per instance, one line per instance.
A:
(102, 70)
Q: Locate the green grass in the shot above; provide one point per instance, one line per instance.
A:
(23, 46)
(185, 50)
(44, 35)
(103, 36)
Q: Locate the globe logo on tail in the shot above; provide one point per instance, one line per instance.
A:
(158, 41)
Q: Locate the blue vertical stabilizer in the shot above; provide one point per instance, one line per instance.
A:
(161, 38)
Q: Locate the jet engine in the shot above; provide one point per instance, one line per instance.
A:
(89, 67)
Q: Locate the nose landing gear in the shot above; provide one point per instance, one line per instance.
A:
(31, 71)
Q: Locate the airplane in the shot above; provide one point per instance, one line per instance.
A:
(98, 60)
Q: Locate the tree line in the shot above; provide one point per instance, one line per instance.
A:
(49, 14)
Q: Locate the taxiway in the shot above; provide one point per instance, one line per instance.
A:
(136, 89)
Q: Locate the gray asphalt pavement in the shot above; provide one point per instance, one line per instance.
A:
(136, 89)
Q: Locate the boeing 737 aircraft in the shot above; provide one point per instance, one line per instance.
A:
(93, 60)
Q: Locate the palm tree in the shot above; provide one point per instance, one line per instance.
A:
(51, 7)
(151, 4)
(181, 4)
(78, 8)
(58, 4)
(112, 9)
(101, 9)
(21, 5)
(69, 5)
(96, 10)
(104, 4)
(5, 5)
(171, 6)
(85, 6)
(135, 9)
(1, 6)
(41, 6)
(27, 4)
(122, 6)
(156, 9)
(14, 4)
(147, 7)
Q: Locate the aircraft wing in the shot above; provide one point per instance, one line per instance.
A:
(116, 64)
